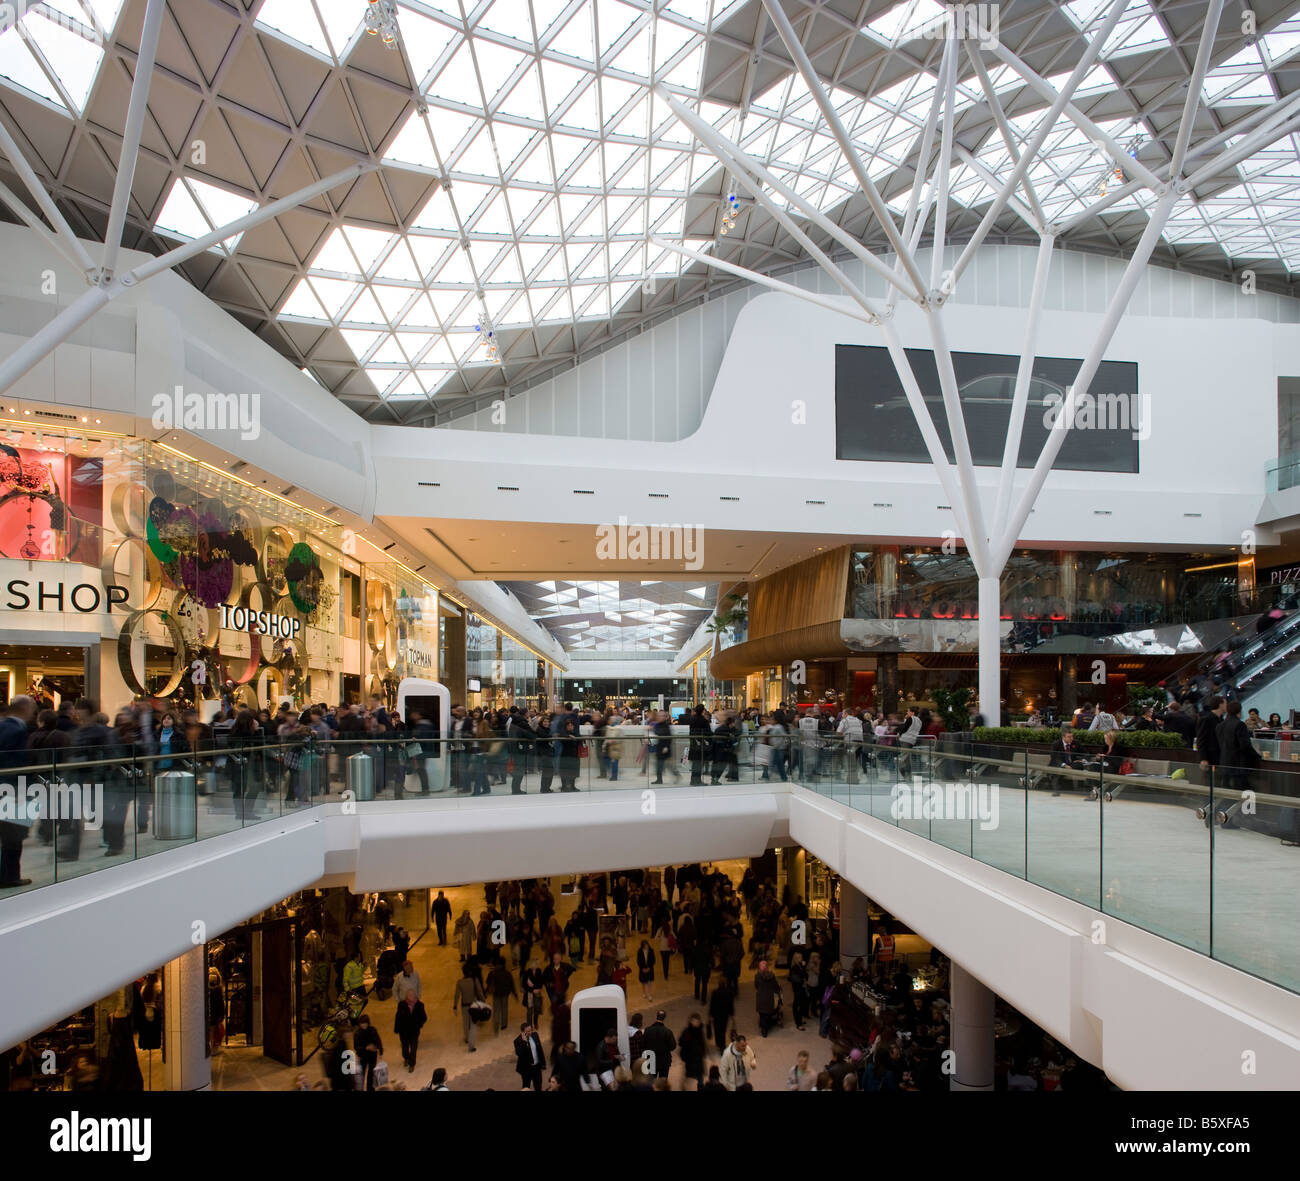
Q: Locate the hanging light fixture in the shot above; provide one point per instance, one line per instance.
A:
(381, 21)
(730, 208)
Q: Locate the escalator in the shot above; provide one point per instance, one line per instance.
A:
(1262, 669)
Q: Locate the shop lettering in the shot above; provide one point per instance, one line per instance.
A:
(74, 1133)
(83, 598)
(266, 623)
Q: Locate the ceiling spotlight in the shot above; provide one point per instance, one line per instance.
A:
(381, 21)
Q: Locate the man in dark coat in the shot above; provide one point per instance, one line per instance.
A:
(530, 1058)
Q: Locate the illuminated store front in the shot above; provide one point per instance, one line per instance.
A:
(129, 569)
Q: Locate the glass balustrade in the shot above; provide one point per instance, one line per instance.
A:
(1208, 859)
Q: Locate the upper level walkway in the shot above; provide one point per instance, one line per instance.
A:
(1121, 925)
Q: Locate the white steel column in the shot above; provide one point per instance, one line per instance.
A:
(972, 1032)
(990, 649)
(185, 1017)
(855, 925)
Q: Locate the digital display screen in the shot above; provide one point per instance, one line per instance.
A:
(873, 420)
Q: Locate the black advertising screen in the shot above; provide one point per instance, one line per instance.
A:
(873, 420)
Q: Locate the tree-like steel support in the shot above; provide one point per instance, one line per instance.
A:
(104, 283)
(36, 348)
(989, 537)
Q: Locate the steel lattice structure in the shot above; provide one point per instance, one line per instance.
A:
(989, 531)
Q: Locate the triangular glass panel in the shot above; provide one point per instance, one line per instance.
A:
(536, 166)
(302, 301)
(495, 64)
(511, 18)
(575, 38)
(524, 98)
(359, 342)
(613, 19)
(364, 310)
(392, 300)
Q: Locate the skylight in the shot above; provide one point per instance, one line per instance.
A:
(1139, 30)
(328, 36)
(54, 52)
(194, 208)
(904, 21)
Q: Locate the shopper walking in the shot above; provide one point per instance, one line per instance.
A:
(692, 1045)
(658, 1041)
(645, 966)
(467, 991)
(798, 977)
(702, 966)
(464, 935)
(14, 725)
(767, 996)
(501, 986)
(722, 1007)
(407, 1024)
(368, 1046)
(738, 1064)
(530, 1058)
(440, 911)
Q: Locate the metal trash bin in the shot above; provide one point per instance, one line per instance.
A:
(175, 806)
(361, 776)
(310, 777)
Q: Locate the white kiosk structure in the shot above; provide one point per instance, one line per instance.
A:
(595, 1011)
(433, 701)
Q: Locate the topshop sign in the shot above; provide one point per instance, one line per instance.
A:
(266, 623)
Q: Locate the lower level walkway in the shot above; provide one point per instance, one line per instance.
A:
(491, 1067)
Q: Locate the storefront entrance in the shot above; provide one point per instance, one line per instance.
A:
(47, 674)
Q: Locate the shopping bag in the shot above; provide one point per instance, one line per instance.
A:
(479, 1011)
(381, 1073)
(411, 783)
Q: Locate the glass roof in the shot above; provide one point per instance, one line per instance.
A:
(617, 616)
(560, 167)
(194, 208)
(53, 52)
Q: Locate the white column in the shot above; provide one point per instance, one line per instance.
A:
(990, 651)
(185, 1003)
(972, 1032)
(855, 927)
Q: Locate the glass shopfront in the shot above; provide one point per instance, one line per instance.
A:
(1050, 593)
(129, 569)
(499, 670)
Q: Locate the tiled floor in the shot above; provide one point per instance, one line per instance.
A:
(492, 1066)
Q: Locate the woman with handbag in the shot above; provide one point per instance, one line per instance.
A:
(469, 998)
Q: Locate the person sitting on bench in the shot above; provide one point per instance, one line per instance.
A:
(1065, 753)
